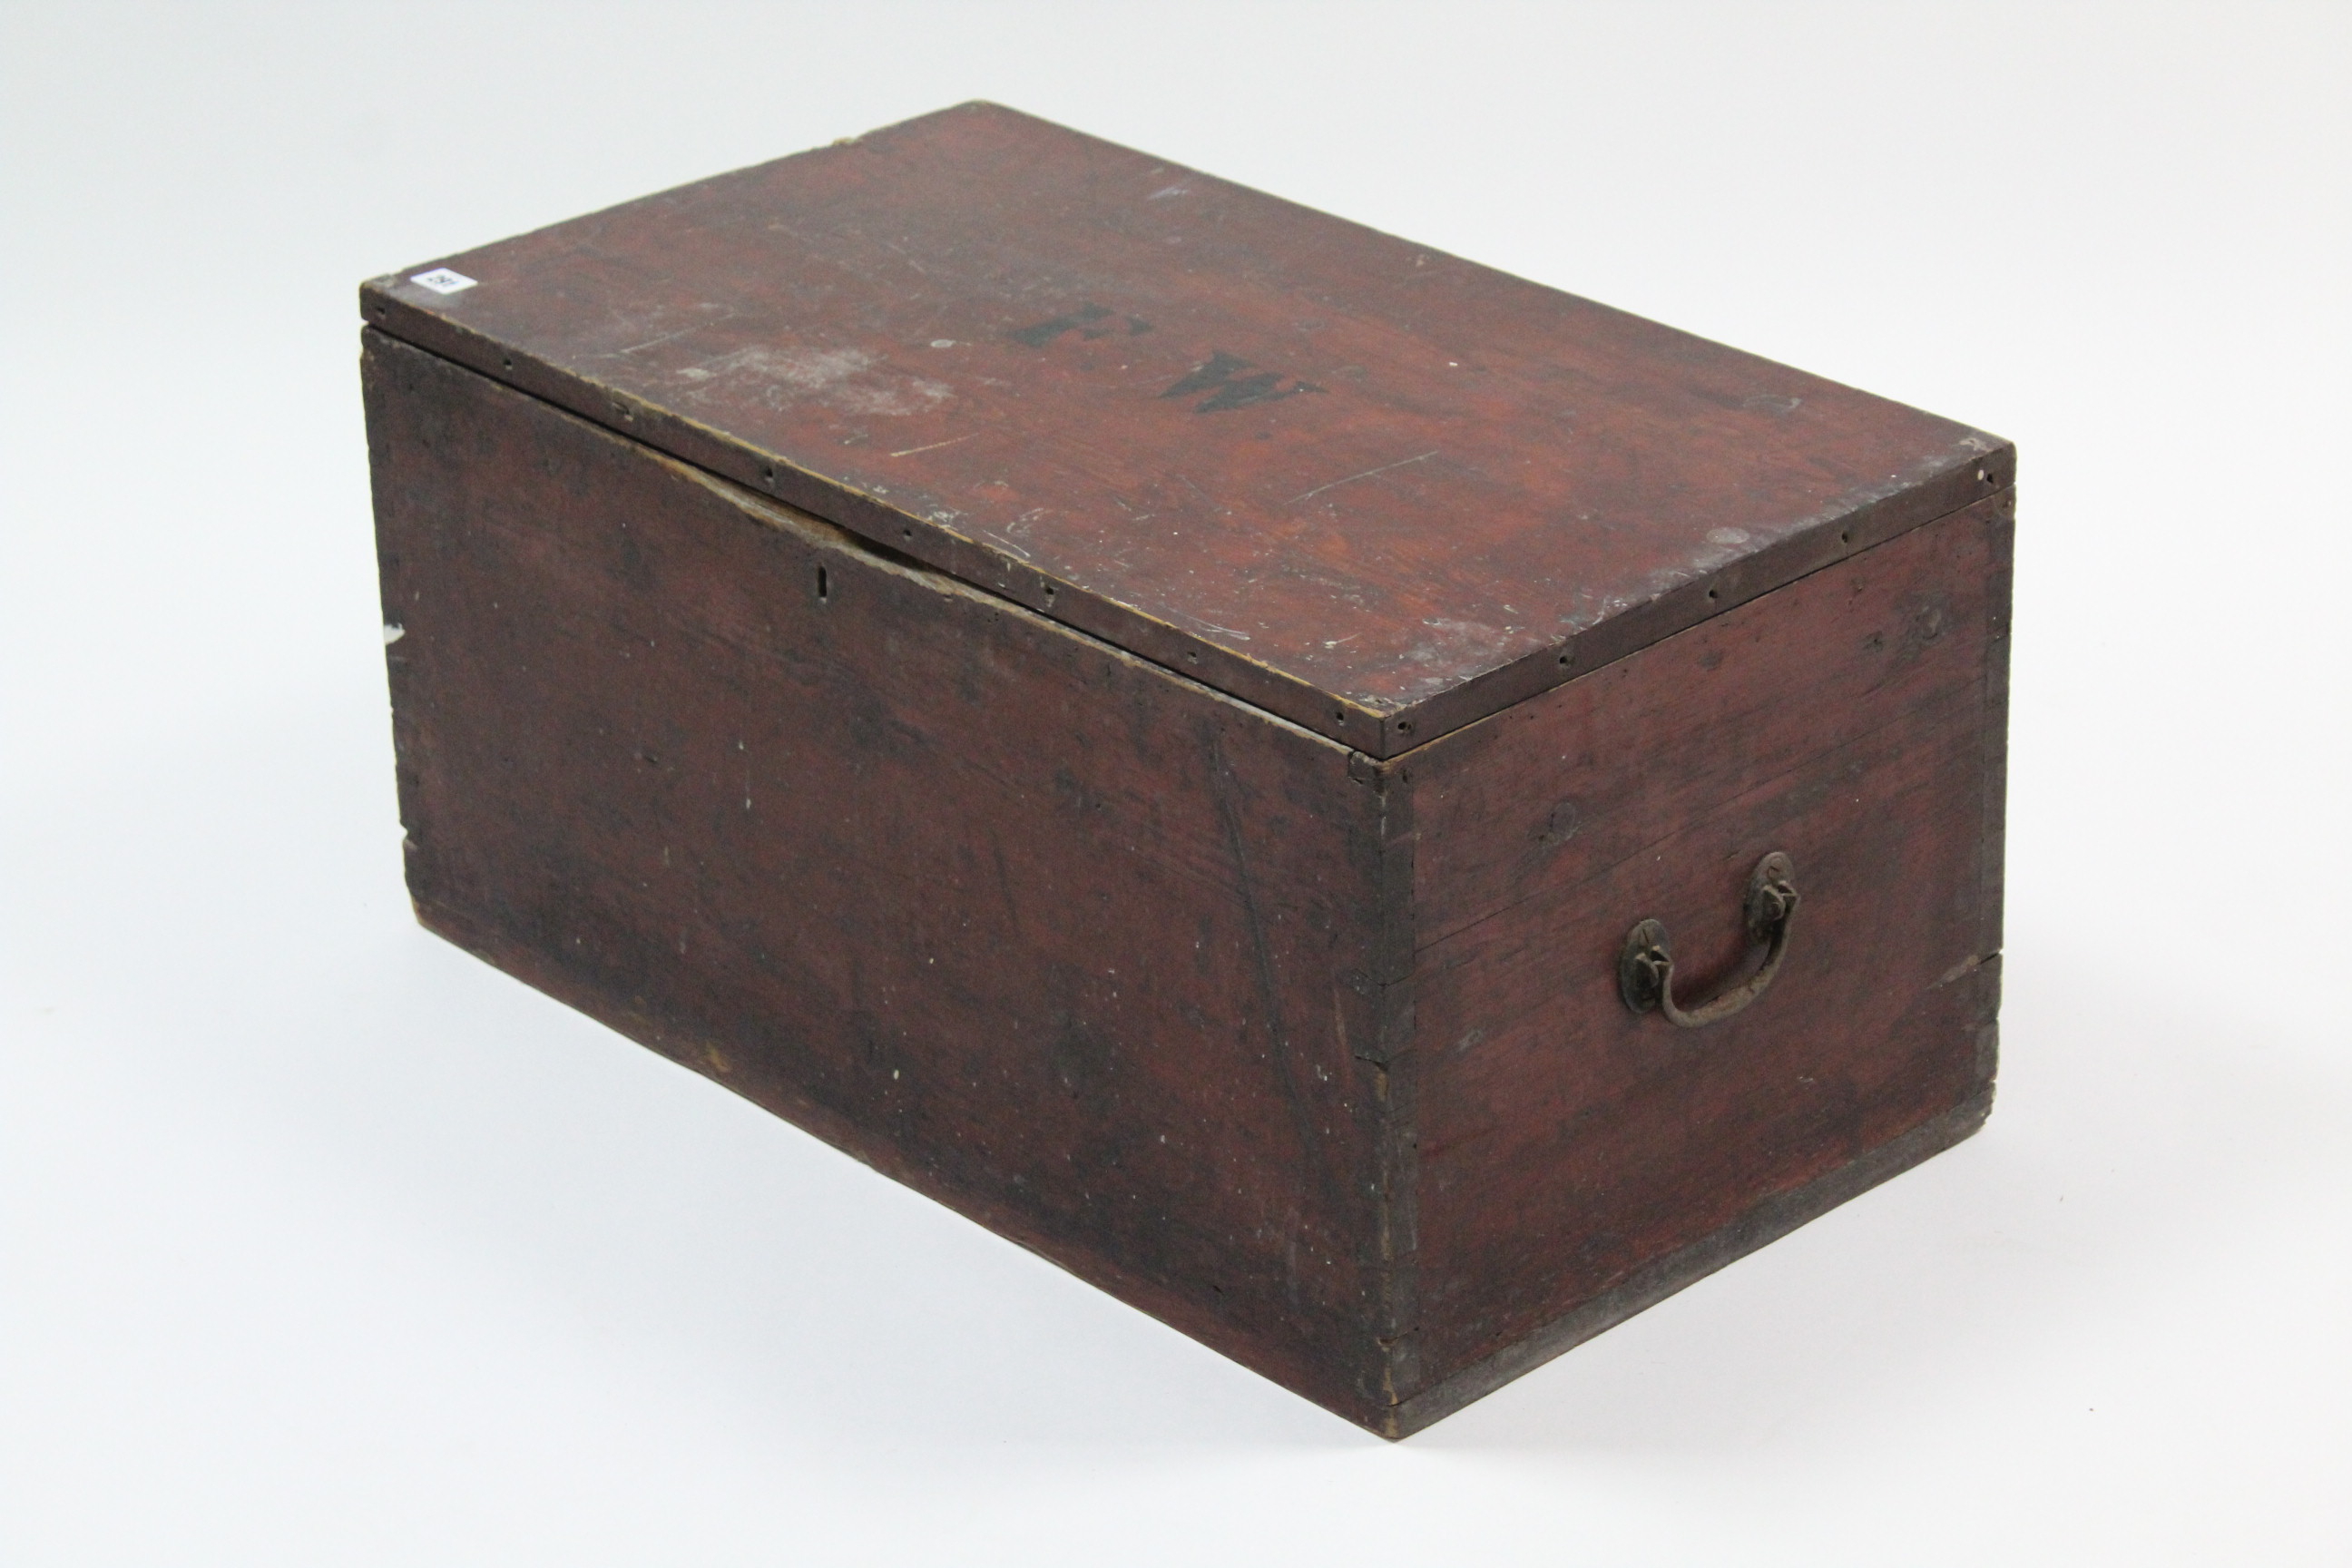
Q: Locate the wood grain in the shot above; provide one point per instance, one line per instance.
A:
(1369, 487)
(1070, 943)
(1853, 719)
(1313, 1055)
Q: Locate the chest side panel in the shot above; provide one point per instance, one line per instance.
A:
(1854, 720)
(1075, 945)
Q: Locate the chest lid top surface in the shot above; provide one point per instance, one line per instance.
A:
(1367, 486)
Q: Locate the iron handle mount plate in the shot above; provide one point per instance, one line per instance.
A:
(1645, 965)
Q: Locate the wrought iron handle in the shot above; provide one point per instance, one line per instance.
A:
(1645, 968)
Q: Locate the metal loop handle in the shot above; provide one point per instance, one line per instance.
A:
(1646, 967)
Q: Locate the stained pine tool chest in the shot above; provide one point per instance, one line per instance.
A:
(1384, 815)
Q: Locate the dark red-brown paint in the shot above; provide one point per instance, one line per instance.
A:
(1260, 972)
(1851, 720)
(1375, 489)
(1059, 938)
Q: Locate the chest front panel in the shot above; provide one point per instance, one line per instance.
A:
(1062, 939)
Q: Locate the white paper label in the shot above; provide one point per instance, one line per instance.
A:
(441, 281)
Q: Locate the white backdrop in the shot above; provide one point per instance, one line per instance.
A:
(326, 1245)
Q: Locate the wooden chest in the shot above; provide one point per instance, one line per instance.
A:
(1200, 734)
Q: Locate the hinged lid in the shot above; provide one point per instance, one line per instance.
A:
(1362, 484)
